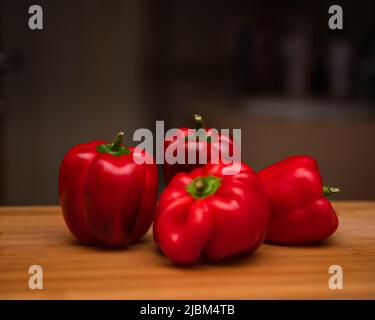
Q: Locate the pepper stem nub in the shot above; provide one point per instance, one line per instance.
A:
(118, 140)
(204, 186)
(327, 191)
(199, 122)
(115, 148)
(199, 185)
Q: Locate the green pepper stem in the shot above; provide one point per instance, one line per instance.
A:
(117, 142)
(202, 187)
(199, 122)
(199, 185)
(327, 191)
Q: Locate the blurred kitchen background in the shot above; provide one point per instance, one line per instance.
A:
(272, 68)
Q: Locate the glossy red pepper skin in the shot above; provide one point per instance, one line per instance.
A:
(217, 143)
(107, 199)
(230, 221)
(299, 212)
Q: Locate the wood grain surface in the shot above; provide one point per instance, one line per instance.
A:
(37, 235)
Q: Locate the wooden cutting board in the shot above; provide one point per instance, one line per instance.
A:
(38, 236)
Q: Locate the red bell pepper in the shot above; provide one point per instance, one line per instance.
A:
(299, 211)
(210, 214)
(105, 196)
(210, 142)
